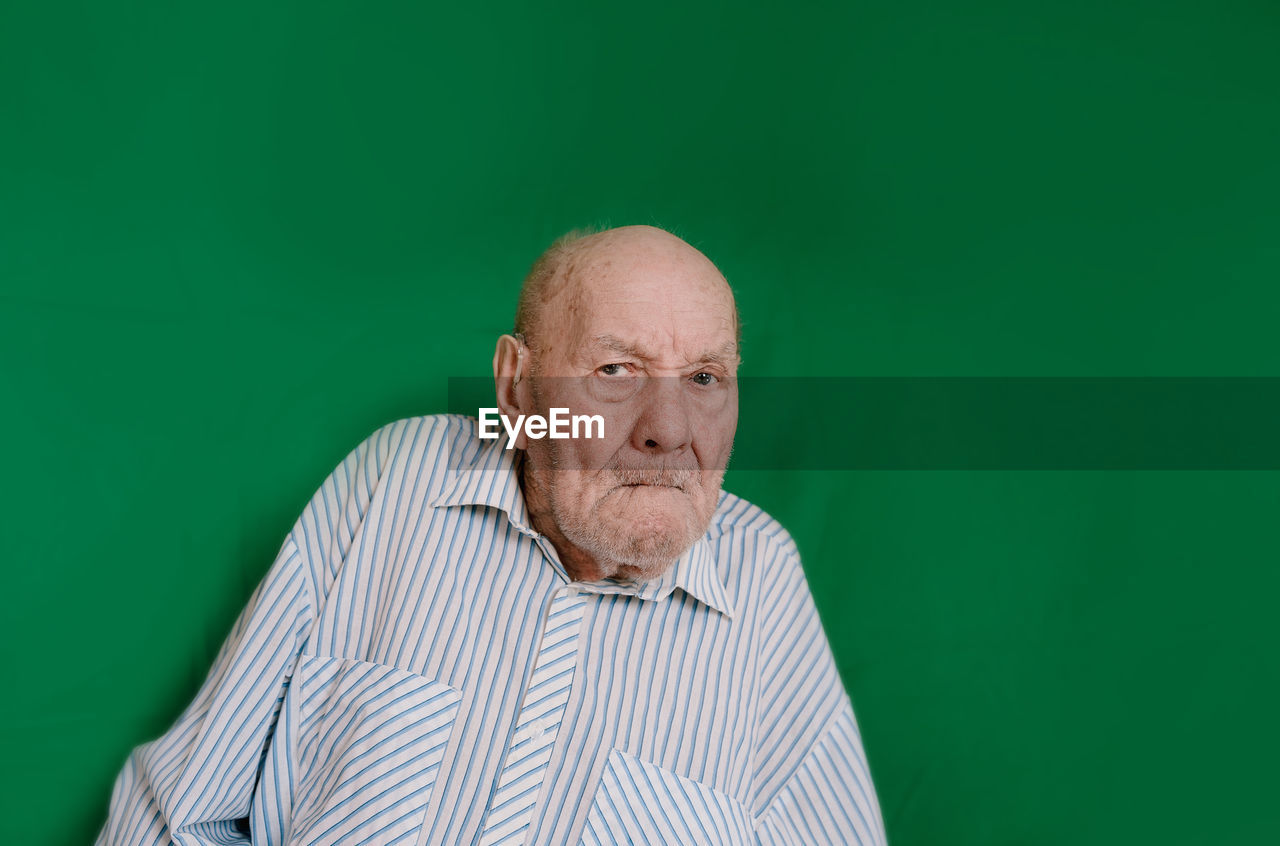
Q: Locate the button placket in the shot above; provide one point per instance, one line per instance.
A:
(537, 722)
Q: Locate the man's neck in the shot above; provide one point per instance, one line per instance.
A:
(577, 562)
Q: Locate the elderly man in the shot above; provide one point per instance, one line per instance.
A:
(579, 640)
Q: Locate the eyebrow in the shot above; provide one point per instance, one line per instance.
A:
(725, 353)
(613, 343)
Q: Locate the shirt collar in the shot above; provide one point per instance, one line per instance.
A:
(694, 573)
(487, 475)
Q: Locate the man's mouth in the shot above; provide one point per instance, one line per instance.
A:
(667, 486)
(668, 478)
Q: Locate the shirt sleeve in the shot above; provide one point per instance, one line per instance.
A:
(191, 785)
(194, 785)
(830, 798)
(813, 782)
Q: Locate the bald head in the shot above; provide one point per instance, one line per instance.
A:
(641, 258)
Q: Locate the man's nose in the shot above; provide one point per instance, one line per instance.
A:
(664, 424)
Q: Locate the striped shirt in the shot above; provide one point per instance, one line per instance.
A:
(418, 668)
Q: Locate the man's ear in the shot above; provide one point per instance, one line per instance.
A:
(511, 382)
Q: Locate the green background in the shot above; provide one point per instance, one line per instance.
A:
(235, 238)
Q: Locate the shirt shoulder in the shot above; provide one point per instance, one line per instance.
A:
(735, 519)
(413, 449)
(755, 556)
(411, 437)
(433, 446)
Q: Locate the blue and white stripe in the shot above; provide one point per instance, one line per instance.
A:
(417, 668)
(538, 721)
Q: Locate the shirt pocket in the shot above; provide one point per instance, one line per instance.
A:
(368, 745)
(638, 802)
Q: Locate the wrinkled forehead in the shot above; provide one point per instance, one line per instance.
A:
(669, 305)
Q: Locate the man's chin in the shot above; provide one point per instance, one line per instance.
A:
(646, 548)
(647, 512)
(649, 557)
(641, 530)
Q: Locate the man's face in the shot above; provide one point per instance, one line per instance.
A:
(644, 335)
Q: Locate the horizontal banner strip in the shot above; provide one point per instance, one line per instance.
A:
(991, 423)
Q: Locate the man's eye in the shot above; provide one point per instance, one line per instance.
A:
(704, 379)
(612, 370)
